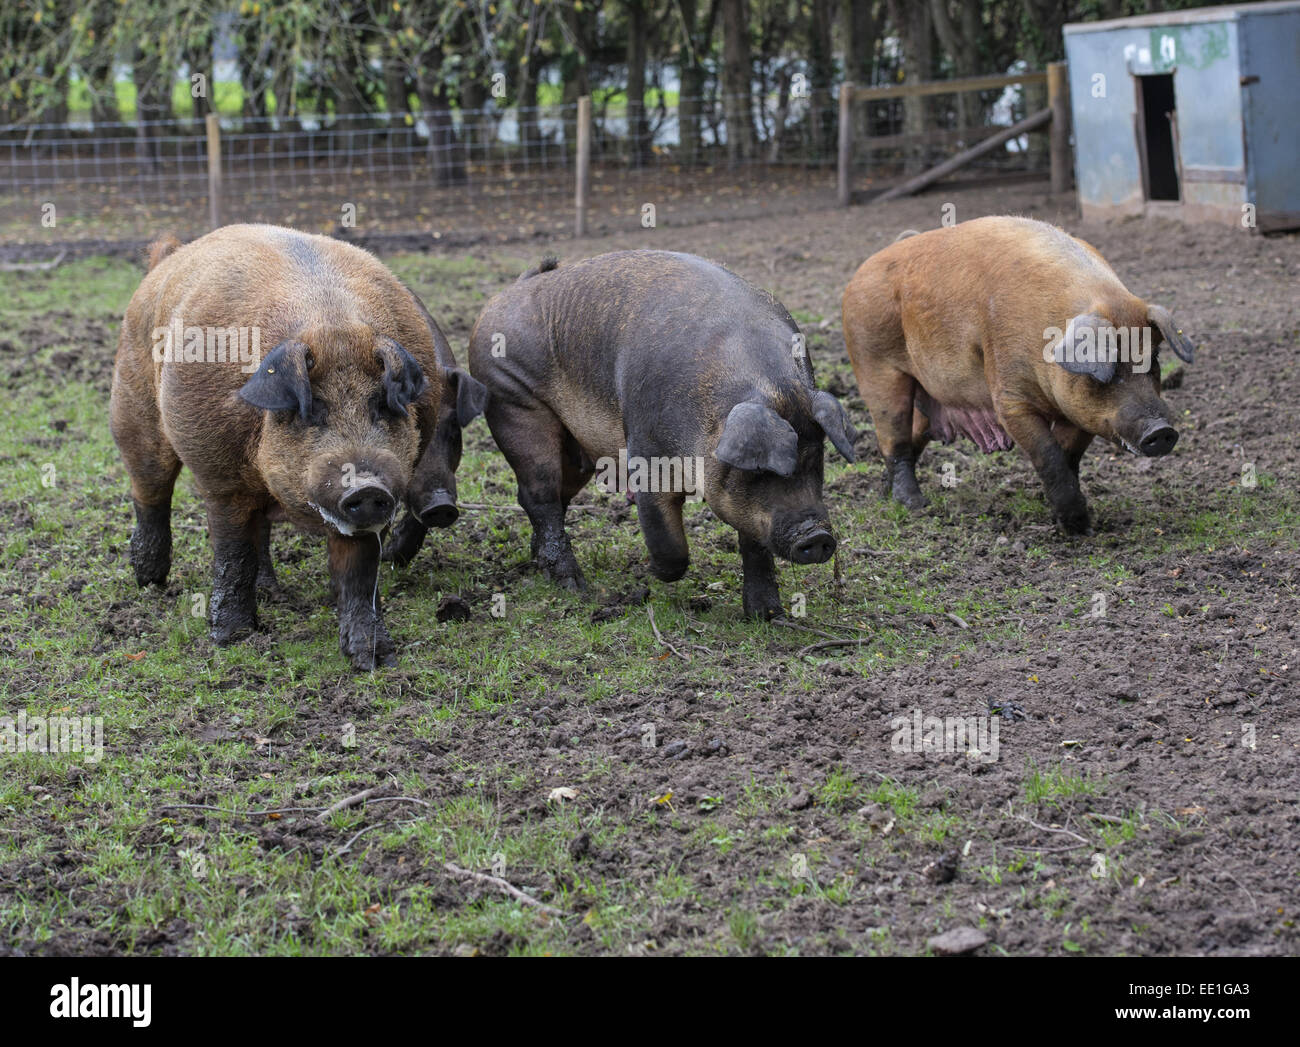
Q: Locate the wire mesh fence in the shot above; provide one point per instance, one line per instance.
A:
(494, 173)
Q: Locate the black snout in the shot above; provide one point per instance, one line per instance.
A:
(367, 505)
(817, 547)
(1158, 439)
(440, 510)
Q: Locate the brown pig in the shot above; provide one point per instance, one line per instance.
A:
(299, 380)
(1008, 331)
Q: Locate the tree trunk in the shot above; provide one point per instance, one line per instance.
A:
(737, 74)
(821, 68)
(914, 25)
(695, 45)
(445, 154)
(638, 132)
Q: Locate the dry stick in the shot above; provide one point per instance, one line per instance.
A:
(484, 507)
(659, 636)
(29, 267)
(227, 810)
(349, 801)
(822, 645)
(504, 886)
(1049, 829)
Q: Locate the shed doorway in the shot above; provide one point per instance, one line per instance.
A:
(1157, 136)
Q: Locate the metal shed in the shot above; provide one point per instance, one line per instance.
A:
(1194, 114)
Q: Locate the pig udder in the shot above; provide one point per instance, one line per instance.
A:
(947, 422)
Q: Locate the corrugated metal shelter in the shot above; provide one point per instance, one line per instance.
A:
(1195, 114)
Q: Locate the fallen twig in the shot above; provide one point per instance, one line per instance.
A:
(828, 643)
(228, 810)
(348, 801)
(660, 637)
(1049, 829)
(503, 886)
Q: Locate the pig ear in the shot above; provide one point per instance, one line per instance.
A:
(280, 381)
(404, 379)
(835, 423)
(755, 438)
(1079, 349)
(1163, 321)
(471, 396)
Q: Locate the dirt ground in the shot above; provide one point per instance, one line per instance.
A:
(1143, 799)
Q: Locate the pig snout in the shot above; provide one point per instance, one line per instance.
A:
(803, 541)
(367, 506)
(1158, 438)
(439, 509)
(358, 496)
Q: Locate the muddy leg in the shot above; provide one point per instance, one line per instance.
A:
(665, 537)
(760, 596)
(233, 607)
(151, 539)
(1074, 442)
(1031, 432)
(889, 395)
(532, 439)
(405, 541)
(265, 567)
(354, 576)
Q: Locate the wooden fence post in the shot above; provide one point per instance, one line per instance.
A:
(582, 180)
(1058, 100)
(845, 179)
(213, 123)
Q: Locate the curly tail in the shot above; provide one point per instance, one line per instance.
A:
(160, 249)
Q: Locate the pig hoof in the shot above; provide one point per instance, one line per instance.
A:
(368, 648)
(151, 559)
(1076, 524)
(226, 633)
(566, 576)
(764, 610)
(911, 500)
(668, 570)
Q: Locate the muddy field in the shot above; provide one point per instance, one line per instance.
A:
(737, 795)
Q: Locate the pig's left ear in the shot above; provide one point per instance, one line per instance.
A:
(404, 379)
(756, 438)
(471, 396)
(280, 382)
(830, 415)
(1163, 321)
(1078, 350)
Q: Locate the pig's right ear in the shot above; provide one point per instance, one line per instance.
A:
(830, 415)
(1077, 349)
(471, 396)
(280, 381)
(1163, 321)
(754, 437)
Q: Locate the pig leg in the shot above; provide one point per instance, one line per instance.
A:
(407, 537)
(354, 576)
(235, 535)
(153, 467)
(889, 394)
(760, 596)
(1032, 433)
(532, 439)
(1074, 441)
(265, 567)
(665, 537)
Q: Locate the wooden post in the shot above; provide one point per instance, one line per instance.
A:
(582, 180)
(845, 179)
(1058, 100)
(213, 123)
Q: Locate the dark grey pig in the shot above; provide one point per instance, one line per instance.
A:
(432, 498)
(667, 375)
